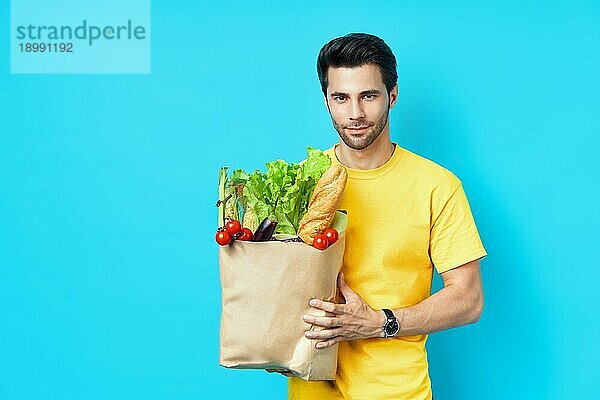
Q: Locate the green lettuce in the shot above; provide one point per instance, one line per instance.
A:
(283, 192)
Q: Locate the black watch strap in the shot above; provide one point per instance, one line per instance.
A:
(388, 313)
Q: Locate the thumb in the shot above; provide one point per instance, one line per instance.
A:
(344, 288)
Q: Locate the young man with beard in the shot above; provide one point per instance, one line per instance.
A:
(406, 216)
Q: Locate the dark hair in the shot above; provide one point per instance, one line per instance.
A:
(355, 50)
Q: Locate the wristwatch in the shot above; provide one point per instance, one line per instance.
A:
(391, 327)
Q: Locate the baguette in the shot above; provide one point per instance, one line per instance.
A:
(323, 203)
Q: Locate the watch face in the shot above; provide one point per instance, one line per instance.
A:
(391, 328)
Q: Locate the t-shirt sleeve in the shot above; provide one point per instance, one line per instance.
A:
(454, 239)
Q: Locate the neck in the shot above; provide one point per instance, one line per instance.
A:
(374, 156)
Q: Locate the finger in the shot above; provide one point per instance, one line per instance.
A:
(326, 306)
(323, 334)
(287, 373)
(327, 322)
(328, 343)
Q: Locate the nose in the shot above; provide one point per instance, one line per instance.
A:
(356, 110)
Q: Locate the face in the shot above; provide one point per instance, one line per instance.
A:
(359, 104)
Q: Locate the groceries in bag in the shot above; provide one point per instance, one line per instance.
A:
(267, 284)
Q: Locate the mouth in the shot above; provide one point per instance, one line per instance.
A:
(356, 130)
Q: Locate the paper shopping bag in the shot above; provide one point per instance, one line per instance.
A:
(266, 287)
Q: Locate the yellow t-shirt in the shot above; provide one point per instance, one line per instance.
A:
(404, 218)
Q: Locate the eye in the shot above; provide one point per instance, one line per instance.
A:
(338, 98)
(369, 96)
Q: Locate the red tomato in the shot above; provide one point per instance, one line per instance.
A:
(320, 242)
(223, 238)
(233, 226)
(245, 234)
(332, 235)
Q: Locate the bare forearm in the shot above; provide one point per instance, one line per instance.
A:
(459, 303)
(448, 308)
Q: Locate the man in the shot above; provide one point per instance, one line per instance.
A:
(406, 216)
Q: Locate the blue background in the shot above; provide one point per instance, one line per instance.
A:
(108, 271)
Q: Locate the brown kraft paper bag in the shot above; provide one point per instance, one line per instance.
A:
(266, 287)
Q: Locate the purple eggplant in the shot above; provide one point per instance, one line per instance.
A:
(265, 230)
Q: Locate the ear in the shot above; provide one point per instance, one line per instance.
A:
(393, 96)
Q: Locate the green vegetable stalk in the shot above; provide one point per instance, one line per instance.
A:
(222, 200)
